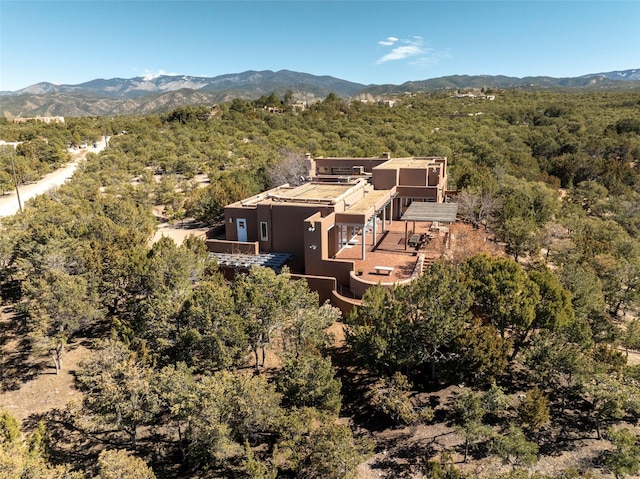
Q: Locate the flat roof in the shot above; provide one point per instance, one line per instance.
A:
(310, 193)
(371, 199)
(314, 191)
(348, 158)
(412, 162)
(429, 211)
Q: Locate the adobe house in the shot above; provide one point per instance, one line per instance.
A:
(350, 203)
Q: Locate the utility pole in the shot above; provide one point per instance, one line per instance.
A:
(106, 139)
(15, 180)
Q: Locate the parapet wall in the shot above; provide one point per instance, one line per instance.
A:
(237, 247)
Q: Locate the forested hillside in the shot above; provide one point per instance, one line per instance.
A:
(505, 365)
(161, 93)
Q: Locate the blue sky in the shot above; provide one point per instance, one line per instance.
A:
(361, 41)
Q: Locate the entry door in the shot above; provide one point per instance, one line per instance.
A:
(241, 226)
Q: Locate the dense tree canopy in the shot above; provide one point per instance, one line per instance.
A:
(552, 176)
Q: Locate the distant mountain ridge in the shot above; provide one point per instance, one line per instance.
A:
(624, 75)
(151, 94)
(616, 79)
(249, 80)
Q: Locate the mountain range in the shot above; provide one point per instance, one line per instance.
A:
(152, 94)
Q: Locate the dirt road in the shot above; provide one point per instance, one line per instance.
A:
(9, 202)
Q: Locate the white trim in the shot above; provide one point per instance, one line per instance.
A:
(264, 231)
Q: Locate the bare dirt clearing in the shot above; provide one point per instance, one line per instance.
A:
(178, 232)
(29, 383)
(403, 453)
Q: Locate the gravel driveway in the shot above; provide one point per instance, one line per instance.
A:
(9, 202)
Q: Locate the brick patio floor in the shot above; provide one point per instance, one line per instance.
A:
(390, 251)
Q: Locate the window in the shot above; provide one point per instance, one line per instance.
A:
(264, 231)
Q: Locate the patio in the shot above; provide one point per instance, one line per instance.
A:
(391, 251)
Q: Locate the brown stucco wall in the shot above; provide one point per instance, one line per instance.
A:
(427, 192)
(287, 229)
(319, 260)
(326, 289)
(231, 214)
(344, 304)
(322, 285)
(225, 246)
(434, 178)
(384, 179)
(367, 163)
(413, 177)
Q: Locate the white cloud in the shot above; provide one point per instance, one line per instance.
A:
(399, 53)
(410, 48)
(387, 42)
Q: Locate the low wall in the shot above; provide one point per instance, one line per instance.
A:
(338, 268)
(323, 285)
(417, 270)
(237, 247)
(326, 287)
(358, 285)
(215, 232)
(344, 304)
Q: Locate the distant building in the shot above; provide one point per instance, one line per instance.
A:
(44, 119)
(384, 102)
(474, 94)
(299, 106)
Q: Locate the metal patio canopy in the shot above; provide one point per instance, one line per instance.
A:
(423, 211)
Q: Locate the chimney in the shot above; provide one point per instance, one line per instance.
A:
(386, 155)
(311, 165)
